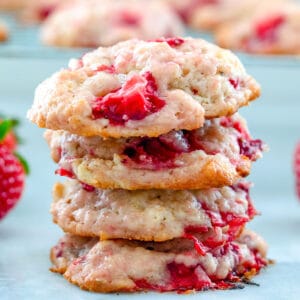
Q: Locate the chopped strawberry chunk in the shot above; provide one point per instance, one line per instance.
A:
(266, 29)
(65, 173)
(135, 100)
(234, 82)
(45, 11)
(173, 42)
(104, 68)
(128, 18)
(250, 148)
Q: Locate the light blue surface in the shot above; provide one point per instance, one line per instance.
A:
(27, 234)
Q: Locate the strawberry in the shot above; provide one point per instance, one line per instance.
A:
(12, 177)
(12, 168)
(297, 169)
(7, 135)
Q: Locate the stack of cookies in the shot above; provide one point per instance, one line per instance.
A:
(154, 151)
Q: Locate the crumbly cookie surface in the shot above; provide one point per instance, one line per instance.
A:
(216, 155)
(273, 30)
(126, 266)
(214, 215)
(94, 23)
(139, 88)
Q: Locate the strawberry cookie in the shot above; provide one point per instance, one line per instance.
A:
(139, 88)
(209, 14)
(93, 23)
(39, 10)
(128, 266)
(211, 216)
(217, 154)
(273, 30)
(13, 4)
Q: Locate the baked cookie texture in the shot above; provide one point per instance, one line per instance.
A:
(94, 23)
(214, 215)
(127, 266)
(217, 154)
(274, 29)
(139, 88)
(4, 33)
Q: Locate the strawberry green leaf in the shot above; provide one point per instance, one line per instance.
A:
(5, 127)
(24, 163)
(15, 122)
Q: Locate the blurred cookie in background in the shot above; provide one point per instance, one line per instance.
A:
(36, 11)
(274, 29)
(209, 14)
(4, 33)
(92, 23)
(12, 4)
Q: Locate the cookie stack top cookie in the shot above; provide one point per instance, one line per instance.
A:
(140, 88)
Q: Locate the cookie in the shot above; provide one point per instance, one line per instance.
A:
(214, 215)
(4, 34)
(208, 15)
(217, 154)
(12, 4)
(273, 30)
(39, 11)
(94, 23)
(139, 88)
(128, 266)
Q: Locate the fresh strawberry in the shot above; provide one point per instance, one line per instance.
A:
(7, 135)
(12, 168)
(297, 169)
(12, 176)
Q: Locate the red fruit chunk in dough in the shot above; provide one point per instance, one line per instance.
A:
(135, 100)
(266, 30)
(173, 42)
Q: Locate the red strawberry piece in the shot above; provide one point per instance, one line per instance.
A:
(128, 18)
(173, 42)
(234, 82)
(297, 169)
(45, 11)
(12, 176)
(135, 100)
(266, 30)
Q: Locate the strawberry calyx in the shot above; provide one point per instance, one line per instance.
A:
(23, 162)
(10, 139)
(5, 127)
